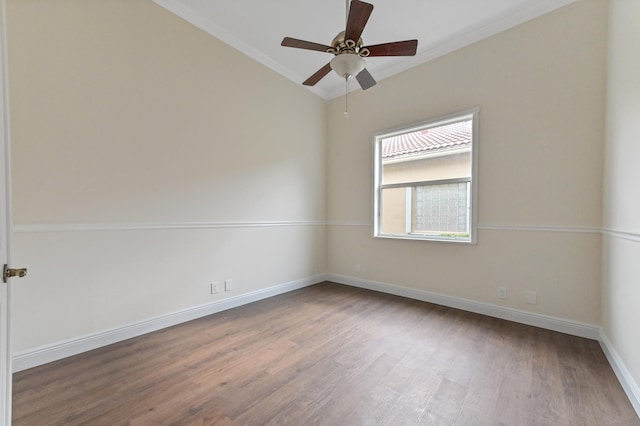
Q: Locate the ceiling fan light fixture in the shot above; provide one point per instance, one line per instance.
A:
(347, 65)
(348, 48)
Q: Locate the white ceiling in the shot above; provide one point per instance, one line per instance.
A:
(256, 28)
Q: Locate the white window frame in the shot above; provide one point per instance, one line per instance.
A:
(471, 114)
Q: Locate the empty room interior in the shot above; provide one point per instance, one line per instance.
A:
(164, 174)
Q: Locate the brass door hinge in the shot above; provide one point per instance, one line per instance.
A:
(9, 272)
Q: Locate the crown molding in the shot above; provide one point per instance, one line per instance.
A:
(178, 8)
(463, 39)
(430, 52)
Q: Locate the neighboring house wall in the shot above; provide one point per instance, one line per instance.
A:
(621, 221)
(150, 159)
(541, 89)
(432, 168)
(425, 169)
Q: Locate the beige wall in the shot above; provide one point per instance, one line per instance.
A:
(123, 115)
(540, 88)
(621, 248)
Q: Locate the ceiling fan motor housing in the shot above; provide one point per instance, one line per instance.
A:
(341, 46)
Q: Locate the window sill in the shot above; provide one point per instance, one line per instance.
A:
(423, 238)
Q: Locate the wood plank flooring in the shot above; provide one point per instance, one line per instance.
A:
(331, 355)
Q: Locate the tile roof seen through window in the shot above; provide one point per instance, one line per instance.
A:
(425, 141)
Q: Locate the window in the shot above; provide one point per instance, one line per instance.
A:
(425, 180)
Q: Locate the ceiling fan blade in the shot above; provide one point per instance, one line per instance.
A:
(365, 79)
(398, 48)
(301, 44)
(359, 13)
(311, 81)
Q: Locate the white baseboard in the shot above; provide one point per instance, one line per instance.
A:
(574, 328)
(625, 378)
(56, 351)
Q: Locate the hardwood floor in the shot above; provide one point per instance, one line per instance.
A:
(331, 355)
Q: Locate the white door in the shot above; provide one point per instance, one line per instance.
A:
(5, 351)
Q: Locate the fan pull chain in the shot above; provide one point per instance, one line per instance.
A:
(346, 96)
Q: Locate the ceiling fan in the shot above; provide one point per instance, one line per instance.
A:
(349, 49)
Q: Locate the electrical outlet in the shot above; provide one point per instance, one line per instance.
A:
(502, 293)
(531, 297)
(214, 287)
(228, 285)
(358, 268)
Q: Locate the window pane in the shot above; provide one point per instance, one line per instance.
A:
(441, 209)
(424, 179)
(393, 214)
